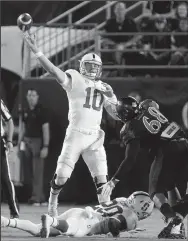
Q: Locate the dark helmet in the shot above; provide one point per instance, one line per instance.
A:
(145, 104)
(127, 108)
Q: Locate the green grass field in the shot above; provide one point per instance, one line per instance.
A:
(150, 227)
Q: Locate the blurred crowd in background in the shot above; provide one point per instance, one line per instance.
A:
(166, 20)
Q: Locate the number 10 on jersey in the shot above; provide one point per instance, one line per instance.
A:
(91, 100)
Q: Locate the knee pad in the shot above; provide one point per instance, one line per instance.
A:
(100, 180)
(54, 185)
(63, 170)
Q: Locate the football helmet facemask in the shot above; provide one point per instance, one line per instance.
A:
(91, 66)
(127, 108)
(141, 203)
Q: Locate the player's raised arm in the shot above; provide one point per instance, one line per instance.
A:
(61, 77)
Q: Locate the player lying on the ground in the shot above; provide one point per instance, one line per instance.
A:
(146, 127)
(87, 96)
(120, 214)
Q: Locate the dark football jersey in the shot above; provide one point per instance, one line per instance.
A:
(150, 127)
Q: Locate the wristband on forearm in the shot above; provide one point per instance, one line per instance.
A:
(39, 54)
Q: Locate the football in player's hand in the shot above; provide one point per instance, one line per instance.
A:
(24, 22)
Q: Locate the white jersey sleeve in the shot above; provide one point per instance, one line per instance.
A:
(64, 79)
(69, 77)
(72, 75)
(110, 106)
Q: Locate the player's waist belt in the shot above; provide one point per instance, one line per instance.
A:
(85, 131)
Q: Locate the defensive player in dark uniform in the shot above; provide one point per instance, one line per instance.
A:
(6, 146)
(146, 127)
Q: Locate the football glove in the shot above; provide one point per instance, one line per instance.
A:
(107, 188)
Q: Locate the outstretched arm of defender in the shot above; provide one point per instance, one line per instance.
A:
(61, 77)
(126, 166)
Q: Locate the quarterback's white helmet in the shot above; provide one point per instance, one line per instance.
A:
(91, 66)
(141, 204)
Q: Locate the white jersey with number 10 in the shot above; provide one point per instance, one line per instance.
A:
(85, 102)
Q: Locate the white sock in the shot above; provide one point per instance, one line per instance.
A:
(55, 222)
(12, 223)
(53, 199)
(25, 225)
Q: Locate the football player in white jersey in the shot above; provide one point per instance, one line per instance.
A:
(118, 215)
(87, 96)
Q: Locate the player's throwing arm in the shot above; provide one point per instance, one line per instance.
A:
(30, 39)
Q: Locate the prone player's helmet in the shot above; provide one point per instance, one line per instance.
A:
(91, 66)
(127, 108)
(141, 204)
(145, 104)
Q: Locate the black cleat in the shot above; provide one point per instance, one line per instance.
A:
(166, 232)
(114, 226)
(180, 235)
